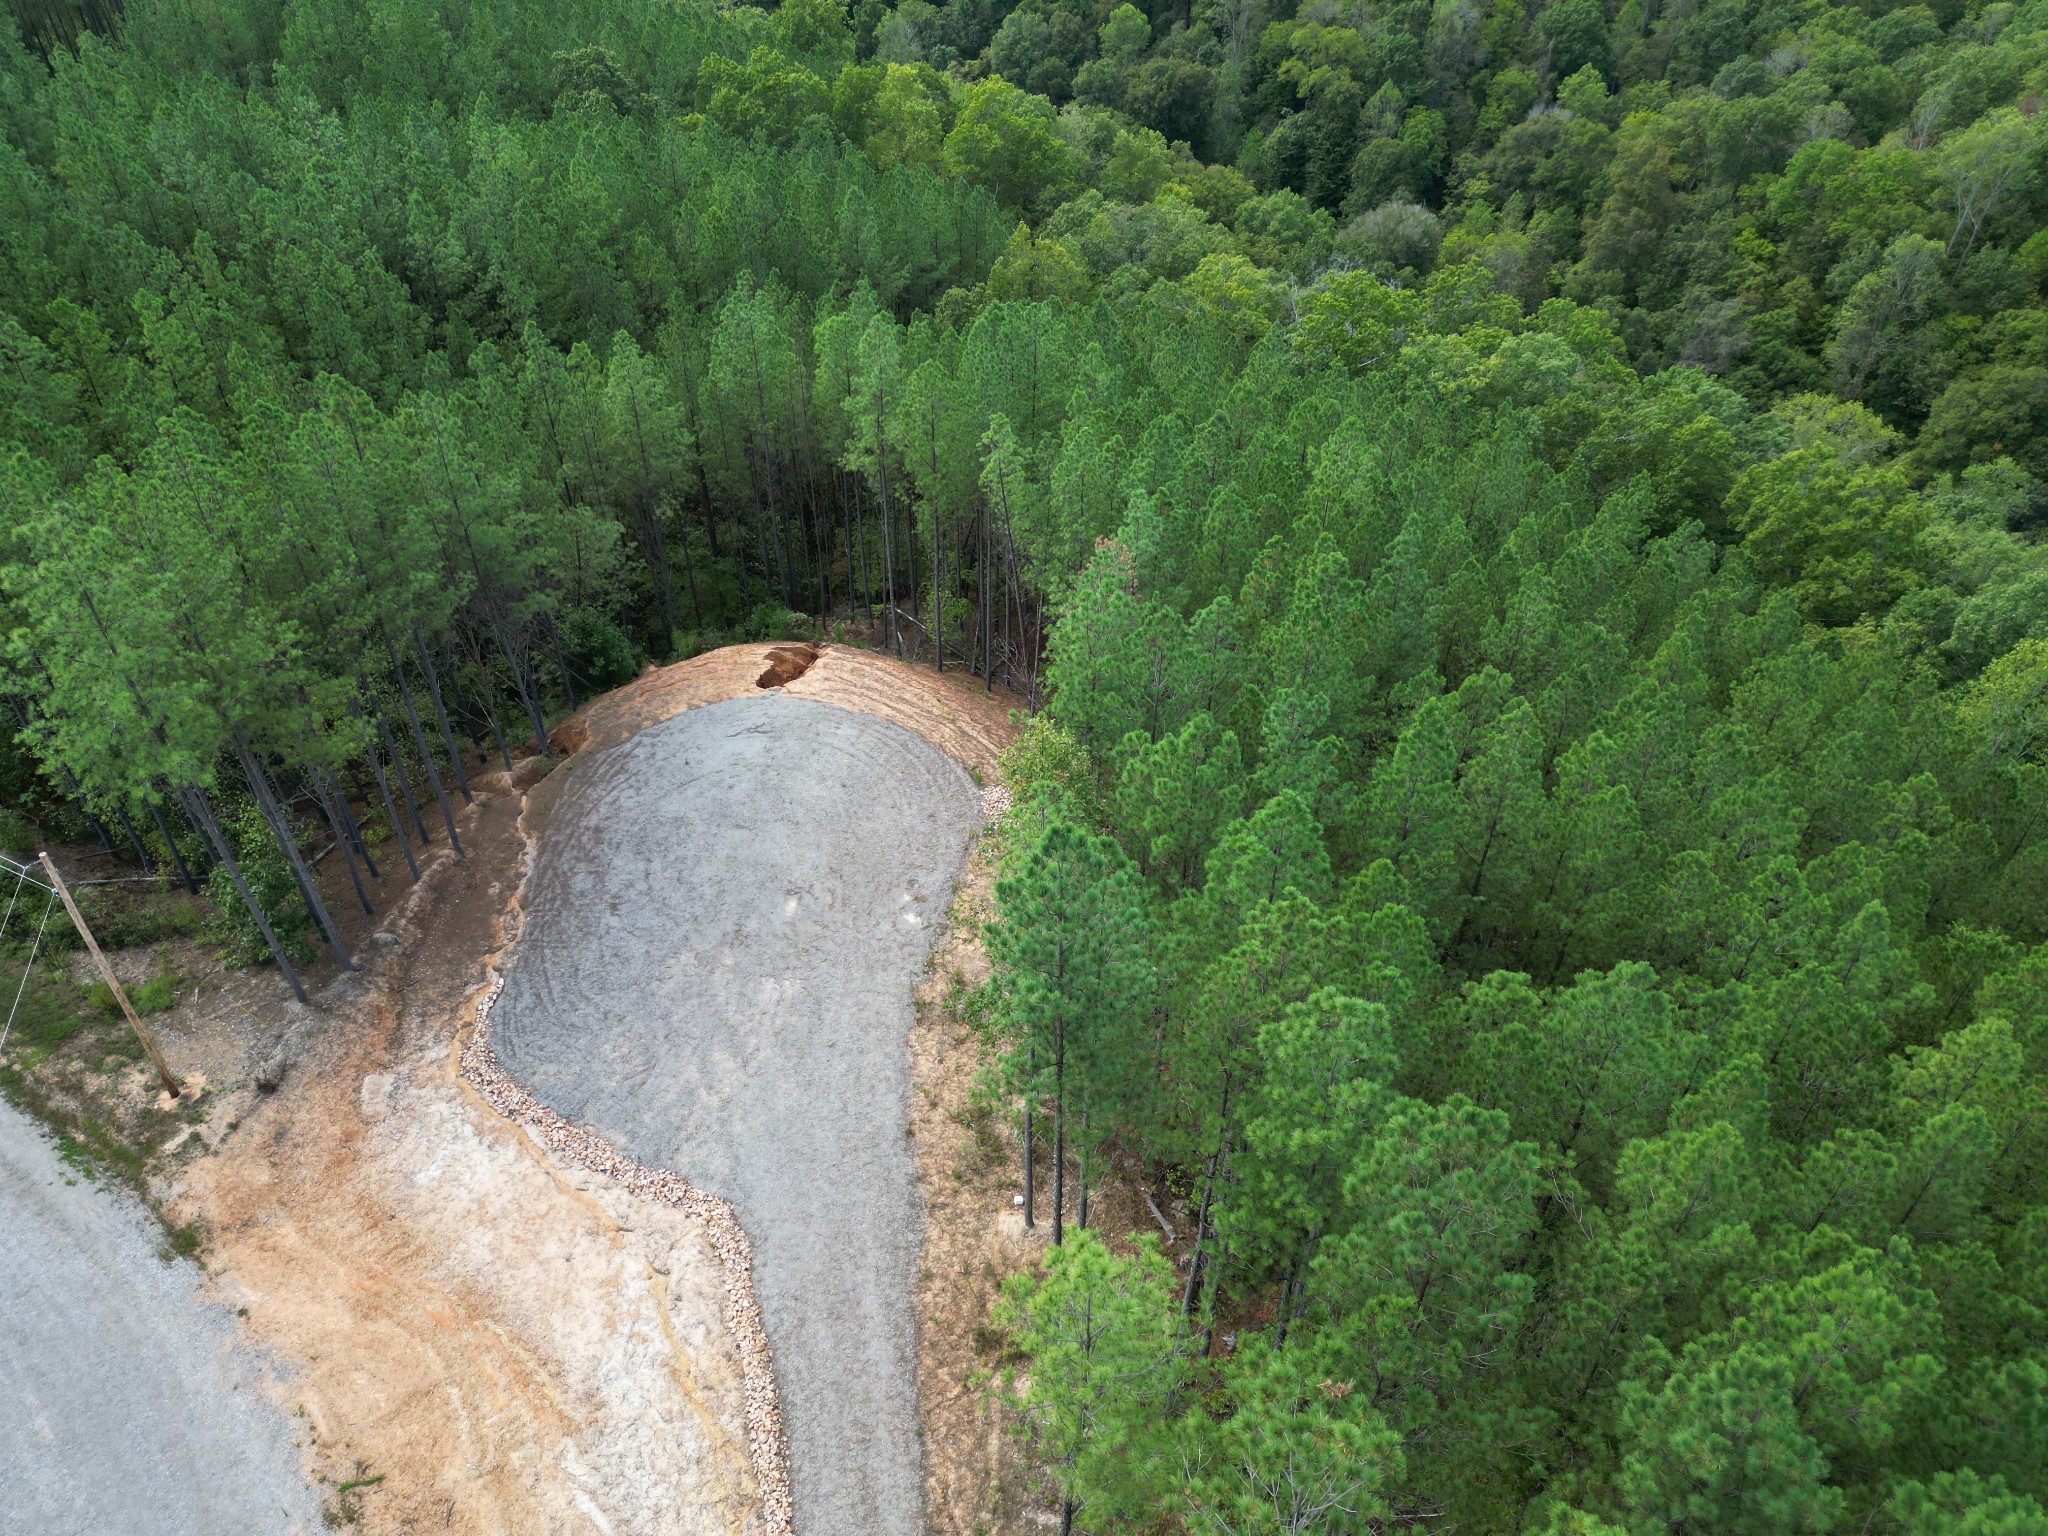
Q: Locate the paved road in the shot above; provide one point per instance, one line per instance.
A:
(126, 1405)
(726, 921)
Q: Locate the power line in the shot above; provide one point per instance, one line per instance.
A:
(49, 901)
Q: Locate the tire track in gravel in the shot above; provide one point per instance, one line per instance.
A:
(726, 919)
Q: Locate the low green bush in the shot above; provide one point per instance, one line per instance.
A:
(599, 653)
(270, 881)
(772, 621)
(18, 835)
(47, 1012)
(159, 994)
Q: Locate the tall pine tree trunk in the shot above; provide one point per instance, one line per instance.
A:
(816, 531)
(476, 657)
(419, 738)
(703, 497)
(1199, 1251)
(561, 661)
(1030, 1120)
(529, 697)
(1195, 1253)
(341, 841)
(888, 556)
(910, 557)
(1217, 1266)
(339, 795)
(98, 828)
(1059, 1135)
(77, 793)
(177, 858)
(846, 522)
(689, 573)
(761, 544)
(404, 780)
(440, 711)
(280, 827)
(390, 810)
(1030, 1117)
(1283, 1314)
(128, 829)
(1294, 1295)
(209, 828)
(1087, 1148)
(1003, 581)
(860, 538)
(657, 557)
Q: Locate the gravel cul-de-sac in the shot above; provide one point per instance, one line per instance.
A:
(722, 930)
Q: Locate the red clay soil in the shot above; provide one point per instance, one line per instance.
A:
(786, 664)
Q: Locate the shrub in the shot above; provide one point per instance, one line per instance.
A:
(48, 1013)
(772, 621)
(18, 835)
(271, 882)
(159, 994)
(599, 653)
(126, 922)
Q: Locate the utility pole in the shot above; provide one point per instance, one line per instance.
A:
(156, 1056)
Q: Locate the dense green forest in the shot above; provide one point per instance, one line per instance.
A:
(1520, 527)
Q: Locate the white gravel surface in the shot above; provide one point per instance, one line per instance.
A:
(126, 1404)
(723, 929)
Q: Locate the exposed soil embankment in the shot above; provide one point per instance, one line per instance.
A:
(949, 710)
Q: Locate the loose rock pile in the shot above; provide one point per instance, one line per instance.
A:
(995, 800)
(735, 1255)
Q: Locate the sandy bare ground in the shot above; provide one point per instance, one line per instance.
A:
(949, 710)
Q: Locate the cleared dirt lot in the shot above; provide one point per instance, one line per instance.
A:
(728, 915)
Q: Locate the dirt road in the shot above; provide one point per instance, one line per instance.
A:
(728, 915)
(125, 1403)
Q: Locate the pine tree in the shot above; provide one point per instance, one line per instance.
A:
(1107, 1356)
(1071, 952)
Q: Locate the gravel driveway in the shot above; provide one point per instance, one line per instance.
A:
(725, 923)
(126, 1405)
